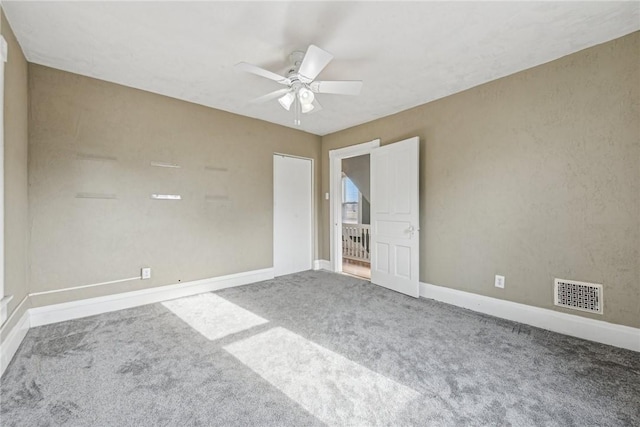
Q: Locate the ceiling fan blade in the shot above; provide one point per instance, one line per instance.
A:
(268, 97)
(254, 69)
(338, 87)
(314, 61)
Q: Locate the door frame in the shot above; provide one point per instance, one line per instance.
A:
(312, 218)
(335, 195)
(4, 300)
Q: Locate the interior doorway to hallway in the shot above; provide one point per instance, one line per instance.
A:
(394, 243)
(356, 216)
(350, 209)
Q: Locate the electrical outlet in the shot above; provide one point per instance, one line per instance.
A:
(499, 281)
(146, 273)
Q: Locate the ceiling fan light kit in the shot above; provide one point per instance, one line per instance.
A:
(301, 83)
(306, 108)
(286, 100)
(305, 96)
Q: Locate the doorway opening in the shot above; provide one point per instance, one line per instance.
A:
(350, 209)
(356, 216)
(394, 215)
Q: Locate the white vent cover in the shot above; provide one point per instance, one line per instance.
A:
(578, 295)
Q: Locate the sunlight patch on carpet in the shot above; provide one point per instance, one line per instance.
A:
(213, 316)
(333, 388)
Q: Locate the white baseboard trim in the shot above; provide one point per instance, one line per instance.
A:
(10, 345)
(568, 324)
(92, 306)
(4, 302)
(322, 264)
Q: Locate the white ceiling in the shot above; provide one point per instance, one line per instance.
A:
(407, 53)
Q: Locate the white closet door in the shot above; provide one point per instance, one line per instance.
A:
(292, 214)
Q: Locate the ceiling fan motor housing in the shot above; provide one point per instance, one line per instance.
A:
(295, 59)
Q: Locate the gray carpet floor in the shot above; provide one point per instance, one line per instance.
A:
(310, 349)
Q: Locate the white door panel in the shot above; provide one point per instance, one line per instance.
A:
(381, 260)
(292, 215)
(395, 216)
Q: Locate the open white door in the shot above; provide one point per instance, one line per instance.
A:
(395, 228)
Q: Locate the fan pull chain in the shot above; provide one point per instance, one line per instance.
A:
(296, 115)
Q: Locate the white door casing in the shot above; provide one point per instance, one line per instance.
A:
(4, 301)
(292, 214)
(395, 231)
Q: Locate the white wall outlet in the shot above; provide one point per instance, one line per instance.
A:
(146, 273)
(499, 281)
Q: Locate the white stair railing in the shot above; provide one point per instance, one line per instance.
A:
(355, 242)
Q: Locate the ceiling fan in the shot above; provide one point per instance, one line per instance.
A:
(300, 82)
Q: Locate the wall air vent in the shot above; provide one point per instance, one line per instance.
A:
(578, 295)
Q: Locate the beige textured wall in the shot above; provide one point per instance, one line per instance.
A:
(532, 176)
(90, 136)
(15, 173)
